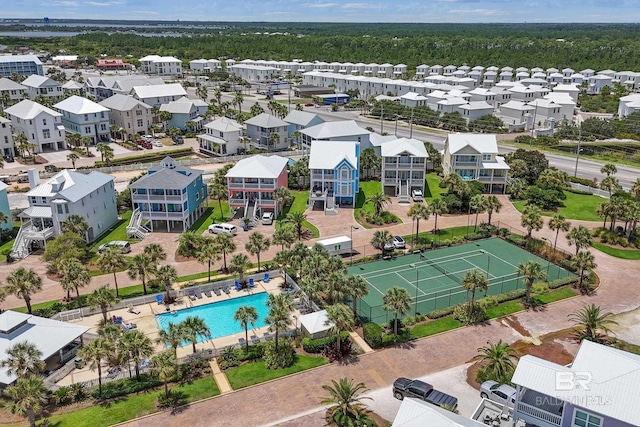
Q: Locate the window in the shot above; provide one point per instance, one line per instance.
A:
(87, 129)
(140, 123)
(59, 208)
(486, 157)
(138, 112)
(46, 133)
(86, 117)
(584, 419)
(66, 208)
(44, 122)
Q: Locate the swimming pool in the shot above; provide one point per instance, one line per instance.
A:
(219, 315)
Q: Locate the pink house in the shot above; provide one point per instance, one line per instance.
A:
(252, 182)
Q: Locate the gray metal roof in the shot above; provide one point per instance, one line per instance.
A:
(28, 110)
(301, 118)
(266, 121)
(166, 178)
(8, 84)
(72, 185)
(119, 102)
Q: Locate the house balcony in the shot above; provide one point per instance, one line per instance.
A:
(251, 186)
(500, 178)
(318, 194)
(150, 215)
(467, 164)
(325, 177)
(539, 409)
(396, 181)
(243, 202)
(148, 197)
(404, 166)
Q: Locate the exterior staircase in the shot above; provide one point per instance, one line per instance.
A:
(27, 235)
(403, 195)
(135, 228)
(330, 207)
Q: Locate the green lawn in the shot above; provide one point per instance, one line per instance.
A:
(633, 254)
(117, 232)
(432, 188)
(130, 407)
(299, 204)
(444, 234)
(555, 295)
(503, 309)
(5, 247)
(434, 327)
(367, 188)
(576, 206)
(211, 214)
(256, 372)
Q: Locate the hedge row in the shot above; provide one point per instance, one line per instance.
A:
(580, 192)
(148, 157)
(316, 346)
(582, 181)
(372, 333)
(555, 284)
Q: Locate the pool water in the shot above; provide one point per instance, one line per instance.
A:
(219, 315)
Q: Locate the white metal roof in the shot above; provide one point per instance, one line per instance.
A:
(485, 144)
(417, 413)
(302, 118)
(35, 80)
(48, 335)
(413, 96)
(20, 58)
(157, 91)
(119, 102)
(266, 120)
(329, 154)
(8, 84)
(315, 322)
(404, 145)
(335, 129)
(28, 110)
(615, 375)
(377, 140)
(517, 105)
(477, 105)
(37, 212)
(78, 105)
(224, 124)
(258, 167)
(499, 164)
(72, 185)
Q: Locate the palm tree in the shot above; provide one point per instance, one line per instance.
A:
(194, 327)
(282, 196)
(580, 237)
(558, 223)
(531, 271)
(499, 360)
(280, 307)
(86, 141)
(94, 352)
(111, 260)
(173, 336)
(21, 142)
(609, 169)
(27, 397)
(474, 280)
(155, 251)
(335, 286)
(102, 298)
(438, 207)
(167, 275)
(208, 253)
(493, 205)
(379, 201)
(189, 243)
(297, 135)
(398, 301)
(239, 264)
(226, 245)
(357, 288)
(346, 396)
(257, 244)
(274, 138)
(22, 283)
(219, 192)
(164, 365)
(611, 184)
(380, 239)
(531, 219)
(138, 345)
(74, 139)
(75, 224)
(246, 315)
(73, 276)
(582, 262)
(417, 212)
(284, 235)
(238, 99)
(341, 318)
(101, 147)
(142, 266)
(479, 204)
(592, 324)
(297, 219)
(23, 359)
(635, 188)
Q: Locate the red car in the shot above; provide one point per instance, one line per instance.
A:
(308, 105)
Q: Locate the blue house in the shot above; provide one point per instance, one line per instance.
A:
(169, 198)
(4, 207)
(299, 120)
(335, 175)
(598, 389)
(186, 110)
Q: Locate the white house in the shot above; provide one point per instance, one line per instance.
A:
(85, 117)
(156, 95)
(166, 66)
(106, 86)
(128, 113)
(42, 86)
(404, 164)
(41, 125)
(544, 110)
(566, 103)
(514, 113)
(299, 120)
(253, 73)
(474, 110)
(481, 94)
(222, 137)
(340, 130)
(186, 114)
(597, 82)
(570, 89)
(629, 104)
(6, 138)
(475, 157)
(15, 91)
(261, 128)
(413, 99)
(91, 196)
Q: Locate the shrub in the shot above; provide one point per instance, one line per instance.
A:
(540, 288)
(442, 312)
(228, 358)
(331, 352)
(487, 302)
(525, 139)
(412, 320)
(477, 236)
(63, 396)
(581, 192)
(469, 314)
(126, 386)
(565, 263)
(554, 284)
(317, 345)
(79, 392)
(578, 180)
(255, 352)
(372, 333)
(510, 296)
(173, 399)
(389, 339)
(283, 357)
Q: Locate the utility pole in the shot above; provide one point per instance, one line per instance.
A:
(575, 172)
(411, 125)
(381, 118)
(396, 131)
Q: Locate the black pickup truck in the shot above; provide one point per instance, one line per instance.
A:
(404, 387)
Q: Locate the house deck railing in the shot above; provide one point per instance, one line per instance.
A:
(539, 414)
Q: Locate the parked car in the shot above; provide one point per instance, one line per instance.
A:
(156, 143)
(404, 387)
(308, 105)
(178, 139)
(417, 196)
(8, 158)
(398, 242)
(51, 168)
(267, 218)
(501, 393)
(223, 228)
(122, 244)
(148, 138)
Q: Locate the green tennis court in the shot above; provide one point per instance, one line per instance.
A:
(434, 278)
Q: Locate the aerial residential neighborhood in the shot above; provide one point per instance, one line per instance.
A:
(237, 241)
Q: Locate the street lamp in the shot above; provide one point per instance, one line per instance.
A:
(353, 227)
(488, 260)
(296, 317)
(415, 306)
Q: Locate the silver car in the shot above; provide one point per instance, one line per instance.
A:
(500, 393)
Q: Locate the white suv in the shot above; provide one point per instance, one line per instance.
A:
(416, 195)
(267, 218)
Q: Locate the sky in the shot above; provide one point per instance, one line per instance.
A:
(427, 11)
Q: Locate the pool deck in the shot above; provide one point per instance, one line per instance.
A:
(146, 322)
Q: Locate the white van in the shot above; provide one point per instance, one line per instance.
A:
(122, 244)
(223, 228)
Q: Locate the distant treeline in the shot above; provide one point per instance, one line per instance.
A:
(579, 46)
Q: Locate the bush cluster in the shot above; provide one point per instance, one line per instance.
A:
(282, 357)
(372, 333)
(442, 312)
(317, 345)
(384, 217)
(555, 284)
(126, 386)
